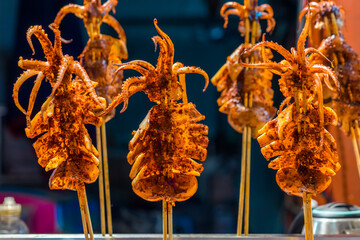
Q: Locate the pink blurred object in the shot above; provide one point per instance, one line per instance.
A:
(39, 213)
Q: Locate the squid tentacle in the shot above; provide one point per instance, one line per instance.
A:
(62, 70)
(125, 90)
(300, 47)
(75, 9)
(284, 103)
(32, 98)
(33, 64)
(112, 22)
(43, 39)
(163, 52)
(170, 45)
(108, 6)
(57, 41)
(268, 14)
(316, 68)
(176, 66)
(266, 8)
(313, 9)
(144, 64)
(135, 67)
(121, 97)
(79, 71)
(226, 10)
(278, 48)
(23, 77)
(273, 67)
(184, 70)
(316, 51)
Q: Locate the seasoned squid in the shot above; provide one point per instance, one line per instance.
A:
(101, 52)
(345, 61)
(170, 137)
(237, 83)
(64, 144)
(308, 156)
(346, 102)
(324, 16)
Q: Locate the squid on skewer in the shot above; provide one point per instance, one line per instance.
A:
(101, 52)
(251, 13)
(308, 156)
(346, 63)
(169, 138)
(235, 81)
(99, 57)
(346, 102)
(246, 94)
(326, 17)
(64, 144)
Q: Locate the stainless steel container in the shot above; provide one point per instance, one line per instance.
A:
(336, 218)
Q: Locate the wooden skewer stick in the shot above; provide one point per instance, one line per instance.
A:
(106, 178)
(334, 27)
(356, 148)
(247, 182)
(308, 216)
(248, 145)
(170, 220)
(101, 183)
(328, 32)
(244, 195)
(242, 177)
(335, 31)
(357, 134)
(82, 211)
(253, 37)
(247, 33)
(164, 217)
(248, 164)
(88, 219)
(253, 33)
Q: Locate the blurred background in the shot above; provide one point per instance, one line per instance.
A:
(196, 30)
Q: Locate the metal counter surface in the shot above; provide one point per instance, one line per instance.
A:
(179, 237)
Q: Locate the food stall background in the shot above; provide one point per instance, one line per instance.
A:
(196, 30)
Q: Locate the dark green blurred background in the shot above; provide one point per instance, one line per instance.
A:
(195, 28)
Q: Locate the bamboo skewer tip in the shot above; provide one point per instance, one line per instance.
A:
(356, 142)
(242, 184)
(164, 218)
(308, 216)
(88, 219)
(85, 214)
(170, 220)
(101, 183)
(83, 219)
(247, 191)
(244, 193)
(106, 180)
